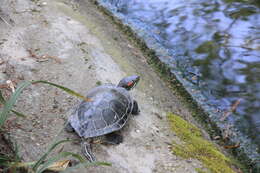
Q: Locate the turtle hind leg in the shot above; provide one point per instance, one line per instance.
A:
(113, 139)
(135, 110)
(68, 127)
(87, 151)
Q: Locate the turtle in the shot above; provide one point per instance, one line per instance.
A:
(108, 110)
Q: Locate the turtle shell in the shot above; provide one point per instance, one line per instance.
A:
(108, 111)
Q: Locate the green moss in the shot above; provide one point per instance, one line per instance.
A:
(98, 83)
(196, 147)
(199, 170)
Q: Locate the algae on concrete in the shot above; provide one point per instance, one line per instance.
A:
(195, 146)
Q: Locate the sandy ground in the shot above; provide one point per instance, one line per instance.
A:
(71, 43)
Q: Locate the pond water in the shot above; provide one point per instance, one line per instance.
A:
(218, 41)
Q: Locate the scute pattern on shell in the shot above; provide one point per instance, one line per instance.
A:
(108, 111)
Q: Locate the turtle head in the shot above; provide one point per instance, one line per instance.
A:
(129, 82)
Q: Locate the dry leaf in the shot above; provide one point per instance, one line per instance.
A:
(232, 109)
(216, 137)
(11, 85)
(43, 57)
(232, 146)
(59, 166)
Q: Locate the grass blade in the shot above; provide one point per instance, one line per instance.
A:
(2, 100)
(10, 103)
(58, 157)
(21, 164)
(38, 163)
(4, 158)
(19, 114)
(88, 164)
(69, 91)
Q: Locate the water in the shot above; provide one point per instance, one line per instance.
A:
(218, 43)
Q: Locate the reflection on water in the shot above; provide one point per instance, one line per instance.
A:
(218, 44)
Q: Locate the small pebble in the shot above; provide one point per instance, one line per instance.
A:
(216, 137)
(188, 161)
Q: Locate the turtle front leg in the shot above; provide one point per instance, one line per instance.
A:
(87, 151)
(112, 139)
(136, 109)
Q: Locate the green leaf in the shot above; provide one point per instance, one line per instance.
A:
(19, 114)
(10, 103)
(2, 100)
(69, 91)
(39, 162)
(4, 158)
(88, 164)
(20, 164)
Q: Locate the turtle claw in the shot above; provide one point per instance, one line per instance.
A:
(87, 151)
